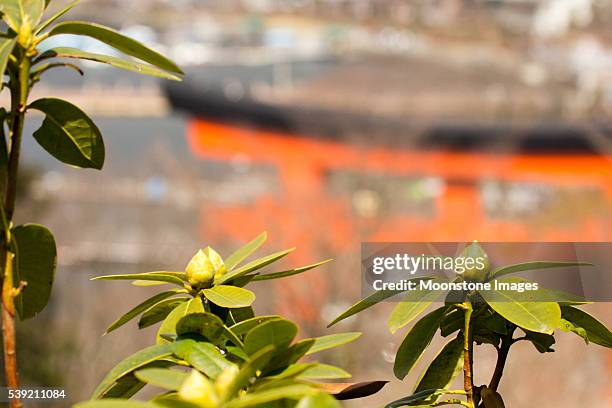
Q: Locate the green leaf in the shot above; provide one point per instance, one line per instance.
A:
(148, 276)
(3, 155)
(11, 13)
(412, 305)
(290, 356)
(443, 368)
(171, 400)
(229, 296)
(569, 327)
(168, 327)
(520, 309)
(163, 378)
(130, 364)
(134, 66)
(561, 297)
(532, 266)
(34, 263)
(246, 325)
(347, 391)
(231, 336)
(253, 266)
(140, 308)
(453, 320)
(288, 373)
(290, 272)
(400, 403)
(278, 333)
(240, 314)
(363, 304)
(257, 361)
(416, 341)
(6, 48)
(324, 372)
(237, 352)
(241, 254)
(542, 342)
(181, 275)
(546, 294)
(68, 134)
(596, 331)
(320, 400)
(117, 403)
(257, 399)
(419, 396)
(33, 10)
(128, 385)
(159, 311)
(242, 281)
(491, 398)
(332, 340)
(143, 283)
(16, 12)
(486, 337)
(118, 41)
(57, 15)
(205, 357)
(494, 323)
(207, 325)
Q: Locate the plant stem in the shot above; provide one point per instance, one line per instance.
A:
(19, 95)
(468, 383)
(502, 356)
(8, 325)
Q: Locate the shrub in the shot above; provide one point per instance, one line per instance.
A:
(489, 317)
(212, 350)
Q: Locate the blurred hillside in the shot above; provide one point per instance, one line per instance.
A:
(511, 59)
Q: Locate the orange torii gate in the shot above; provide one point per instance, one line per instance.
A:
(303, 212)
(302, 164)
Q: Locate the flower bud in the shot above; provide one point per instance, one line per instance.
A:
(198, 390)
(481, 265)
(225, 379)
(203, 268)
(25, 33)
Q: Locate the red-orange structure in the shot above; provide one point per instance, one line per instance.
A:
(302, 164)
(304, 212)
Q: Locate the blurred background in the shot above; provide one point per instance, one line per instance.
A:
(327, 123)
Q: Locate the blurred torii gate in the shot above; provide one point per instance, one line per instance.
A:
(305, 215)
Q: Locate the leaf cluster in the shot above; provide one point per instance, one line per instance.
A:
(496, 317)
(213, 352)
(67, 133)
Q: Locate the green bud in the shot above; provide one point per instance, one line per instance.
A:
(204, 267)
(225, 379)
(25, 33)
(198, 390)
(480, 267)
